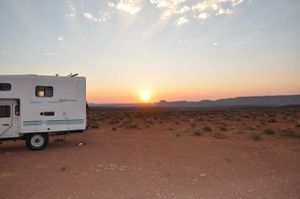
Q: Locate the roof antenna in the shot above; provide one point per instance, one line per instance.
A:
(74, 75)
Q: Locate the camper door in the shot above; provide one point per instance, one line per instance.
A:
(9, 119)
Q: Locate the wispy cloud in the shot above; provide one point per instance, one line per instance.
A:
(90, 17)
(203, 15)
(180, 11)
(170, 7)
(104, 16)
(71, 10)
(130, 6)
(182, 20)
(214, 7)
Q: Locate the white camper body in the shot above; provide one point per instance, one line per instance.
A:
(44, 105)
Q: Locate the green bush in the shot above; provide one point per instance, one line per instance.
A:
(255, 136)
(269, 131)
(218, 135)
(197, 133)
(207, 129)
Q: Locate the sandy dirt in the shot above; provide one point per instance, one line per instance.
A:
(163, 154)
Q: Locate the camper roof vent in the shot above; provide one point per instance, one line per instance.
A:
(72, 75)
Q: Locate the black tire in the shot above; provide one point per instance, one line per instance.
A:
(37, 141)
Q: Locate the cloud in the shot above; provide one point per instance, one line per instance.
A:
(207, 8)
(182, 20)
(60, 38)
(3, 53)
(130, 6)
(48, 54)
(104, 16)
(169, 4)
(224, 11)
(170, 7)
(203, 16)
(215, 44)
(90, 17)
(71, 13)
(181, 11)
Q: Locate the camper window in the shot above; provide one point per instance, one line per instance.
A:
(17, 110)
(4, 111)
(5, 87)
(44, 91)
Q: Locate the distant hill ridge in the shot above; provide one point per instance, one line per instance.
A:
(280, 100)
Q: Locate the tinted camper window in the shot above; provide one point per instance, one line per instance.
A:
(5, 87)
(44, 91)
(17, 110)
(4, 111)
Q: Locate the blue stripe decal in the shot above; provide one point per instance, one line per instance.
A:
(33, 123)
(55, 122)
(52, 122)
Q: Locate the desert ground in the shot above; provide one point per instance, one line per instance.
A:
(161, 153)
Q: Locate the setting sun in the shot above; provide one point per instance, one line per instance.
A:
(145, 95)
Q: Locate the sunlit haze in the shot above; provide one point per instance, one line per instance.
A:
(149, 50)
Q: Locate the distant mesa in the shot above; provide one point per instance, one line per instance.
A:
(163, 102)
(281, 100)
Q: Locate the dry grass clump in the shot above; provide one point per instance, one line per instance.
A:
(223, 128)
(63, 168)
(255, 136)
(269, 131)
(94, 125)
(218, 135)
(197, 133)
(289, 133)
(207, 129)
(272, 120)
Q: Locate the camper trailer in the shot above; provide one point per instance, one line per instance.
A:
(33, 107)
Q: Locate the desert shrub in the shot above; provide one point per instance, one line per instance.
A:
(255, 136)
(178, 135)
(193, 125)
(207, 129)
(223, 128)
(228, 159)
(297, 125)
(114, 121)
(197, 133)
(269, 131)
(63, 168)
(272, 120)
(132, 126)
(94, 125)
(218, 135)
(289, 133)
(114, 129)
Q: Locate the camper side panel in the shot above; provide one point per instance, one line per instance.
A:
(63, 110)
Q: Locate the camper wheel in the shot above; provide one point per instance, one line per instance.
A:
(37, 141)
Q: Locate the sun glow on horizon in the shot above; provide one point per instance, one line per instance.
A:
(145, 95)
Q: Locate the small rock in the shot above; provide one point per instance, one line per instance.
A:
(80, 144)
(203, 174)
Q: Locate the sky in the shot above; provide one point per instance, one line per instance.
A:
(149, 50)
